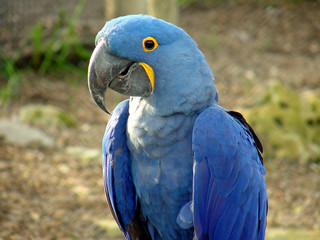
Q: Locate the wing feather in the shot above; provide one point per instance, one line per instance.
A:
(118, 183)
(229, 192)
(117, 180)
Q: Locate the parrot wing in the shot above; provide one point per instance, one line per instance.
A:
(229, 191)
(118, 184)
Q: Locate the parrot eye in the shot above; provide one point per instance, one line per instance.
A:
(149, 44)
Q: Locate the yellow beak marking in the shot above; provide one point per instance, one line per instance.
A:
(149, 72)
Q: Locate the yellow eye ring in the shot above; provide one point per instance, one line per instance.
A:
(149, 44)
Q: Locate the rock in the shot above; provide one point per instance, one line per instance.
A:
(45, 116)
(84, 153)
(22, 134)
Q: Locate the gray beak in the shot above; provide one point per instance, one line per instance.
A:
(122, 75)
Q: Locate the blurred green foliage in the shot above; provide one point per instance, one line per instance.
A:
(62, 49)
(10, 72)
(45, 50)
(288, 123)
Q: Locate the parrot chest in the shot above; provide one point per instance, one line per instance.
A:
(161, 150)
(161, 165)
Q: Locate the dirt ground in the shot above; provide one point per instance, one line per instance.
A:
(46, 193)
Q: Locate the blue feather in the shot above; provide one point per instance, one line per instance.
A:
(236, 198)
(116, 168)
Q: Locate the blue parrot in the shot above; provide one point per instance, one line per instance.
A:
(175, 163)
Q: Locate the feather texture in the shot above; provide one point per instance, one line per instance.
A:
(229, 190)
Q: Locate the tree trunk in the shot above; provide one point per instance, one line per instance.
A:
(164, 9)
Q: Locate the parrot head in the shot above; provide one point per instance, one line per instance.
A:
(142, 56)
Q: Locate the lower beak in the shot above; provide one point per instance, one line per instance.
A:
(122, 75)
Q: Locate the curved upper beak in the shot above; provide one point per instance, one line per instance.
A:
(122, 75)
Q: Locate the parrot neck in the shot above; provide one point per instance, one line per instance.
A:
(173, 96)
(192, 104)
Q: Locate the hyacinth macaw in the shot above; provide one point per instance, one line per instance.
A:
(175, 163)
